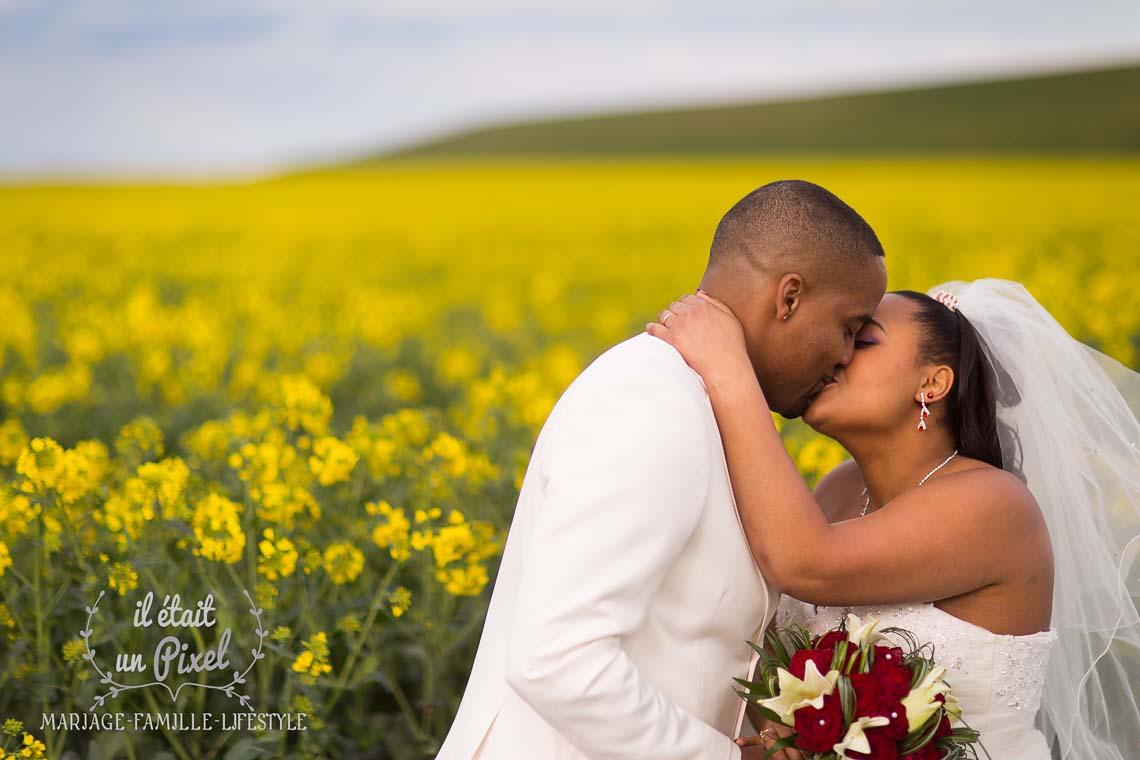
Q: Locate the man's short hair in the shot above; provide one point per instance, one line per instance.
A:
(792, 225)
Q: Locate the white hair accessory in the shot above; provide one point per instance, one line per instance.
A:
(947, 299)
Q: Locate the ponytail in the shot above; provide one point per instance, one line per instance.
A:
(947, 337)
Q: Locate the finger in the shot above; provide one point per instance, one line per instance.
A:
(750, 741)
(719, 304)
(665, 315)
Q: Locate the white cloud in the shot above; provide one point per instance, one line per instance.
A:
(245, 86)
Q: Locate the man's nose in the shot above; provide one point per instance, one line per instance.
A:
(848, 352)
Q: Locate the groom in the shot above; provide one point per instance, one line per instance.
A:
(627, 589)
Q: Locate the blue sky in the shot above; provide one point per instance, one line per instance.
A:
(243, 87)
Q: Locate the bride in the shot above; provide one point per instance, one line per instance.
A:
(991, 505)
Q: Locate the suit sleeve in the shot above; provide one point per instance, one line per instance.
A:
(626, 478)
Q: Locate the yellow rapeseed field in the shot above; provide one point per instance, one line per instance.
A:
(324, 389)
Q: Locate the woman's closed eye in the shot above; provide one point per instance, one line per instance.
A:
(865, 338)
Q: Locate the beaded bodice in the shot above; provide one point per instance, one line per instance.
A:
(997, 678)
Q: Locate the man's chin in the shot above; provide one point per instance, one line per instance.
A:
(798, 409)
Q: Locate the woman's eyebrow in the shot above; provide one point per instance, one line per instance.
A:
(867, 319)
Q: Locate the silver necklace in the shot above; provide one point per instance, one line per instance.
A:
(867, 502)
(867, 497)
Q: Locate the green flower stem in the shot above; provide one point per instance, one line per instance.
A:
(373, 610)
(284, 704)
(406, 707)
(194, 632)
(171, 739)
(41, 641)
(470, 627)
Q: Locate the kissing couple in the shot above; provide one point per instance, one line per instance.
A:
(991, 506)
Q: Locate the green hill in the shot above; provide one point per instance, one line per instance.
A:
(1094, 111)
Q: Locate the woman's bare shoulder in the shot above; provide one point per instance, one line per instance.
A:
(838, 492)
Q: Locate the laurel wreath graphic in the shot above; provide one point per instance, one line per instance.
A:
(108, 677)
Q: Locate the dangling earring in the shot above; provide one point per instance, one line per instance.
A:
(922, 415)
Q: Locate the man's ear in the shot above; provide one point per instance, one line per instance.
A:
(789, 295)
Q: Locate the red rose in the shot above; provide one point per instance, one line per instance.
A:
(896, 714)
(883, 747)
(893, 680)
(833, 639)
(866, 694)
(889, 656)
(819, 730)
(821, 658)
(830, 639)
(944, 728)
(929, 752)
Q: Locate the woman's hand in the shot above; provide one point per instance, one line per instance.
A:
(769, 734)
(707, 334)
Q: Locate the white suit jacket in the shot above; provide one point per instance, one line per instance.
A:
(626, 591)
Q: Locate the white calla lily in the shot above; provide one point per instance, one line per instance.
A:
(796, 693)
(920, 703)
(953, 709)
(861, 633)
(856, 738)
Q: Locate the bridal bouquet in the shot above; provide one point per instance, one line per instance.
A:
(851, 693)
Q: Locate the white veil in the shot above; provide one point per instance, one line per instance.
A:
(1069, 419)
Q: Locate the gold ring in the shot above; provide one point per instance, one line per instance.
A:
(665, 319)
(768, 733)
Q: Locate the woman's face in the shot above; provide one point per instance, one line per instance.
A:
(878, 390)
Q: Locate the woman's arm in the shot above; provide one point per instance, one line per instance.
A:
(945, 539)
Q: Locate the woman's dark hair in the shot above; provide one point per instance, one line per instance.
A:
(947, 337)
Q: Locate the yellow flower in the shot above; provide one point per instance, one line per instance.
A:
(299, 404)
(217, 528)
(74, 650)
(139, 439)
(392, 534)
(400, 600)
(314, 661)
(124, 514)
(82, 470)
(463, 581)
(13, 439)
(166, 481)
(343, 562)
(348, 623)
(278, 556)
(451, 543)
(332, 460)
(403, 386)
(281, 504)
(40, 463)
(122, 578)
(16, 513)
(6, 621)
(5, 558)
(33, 747)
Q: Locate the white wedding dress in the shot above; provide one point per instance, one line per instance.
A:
(997, 678)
